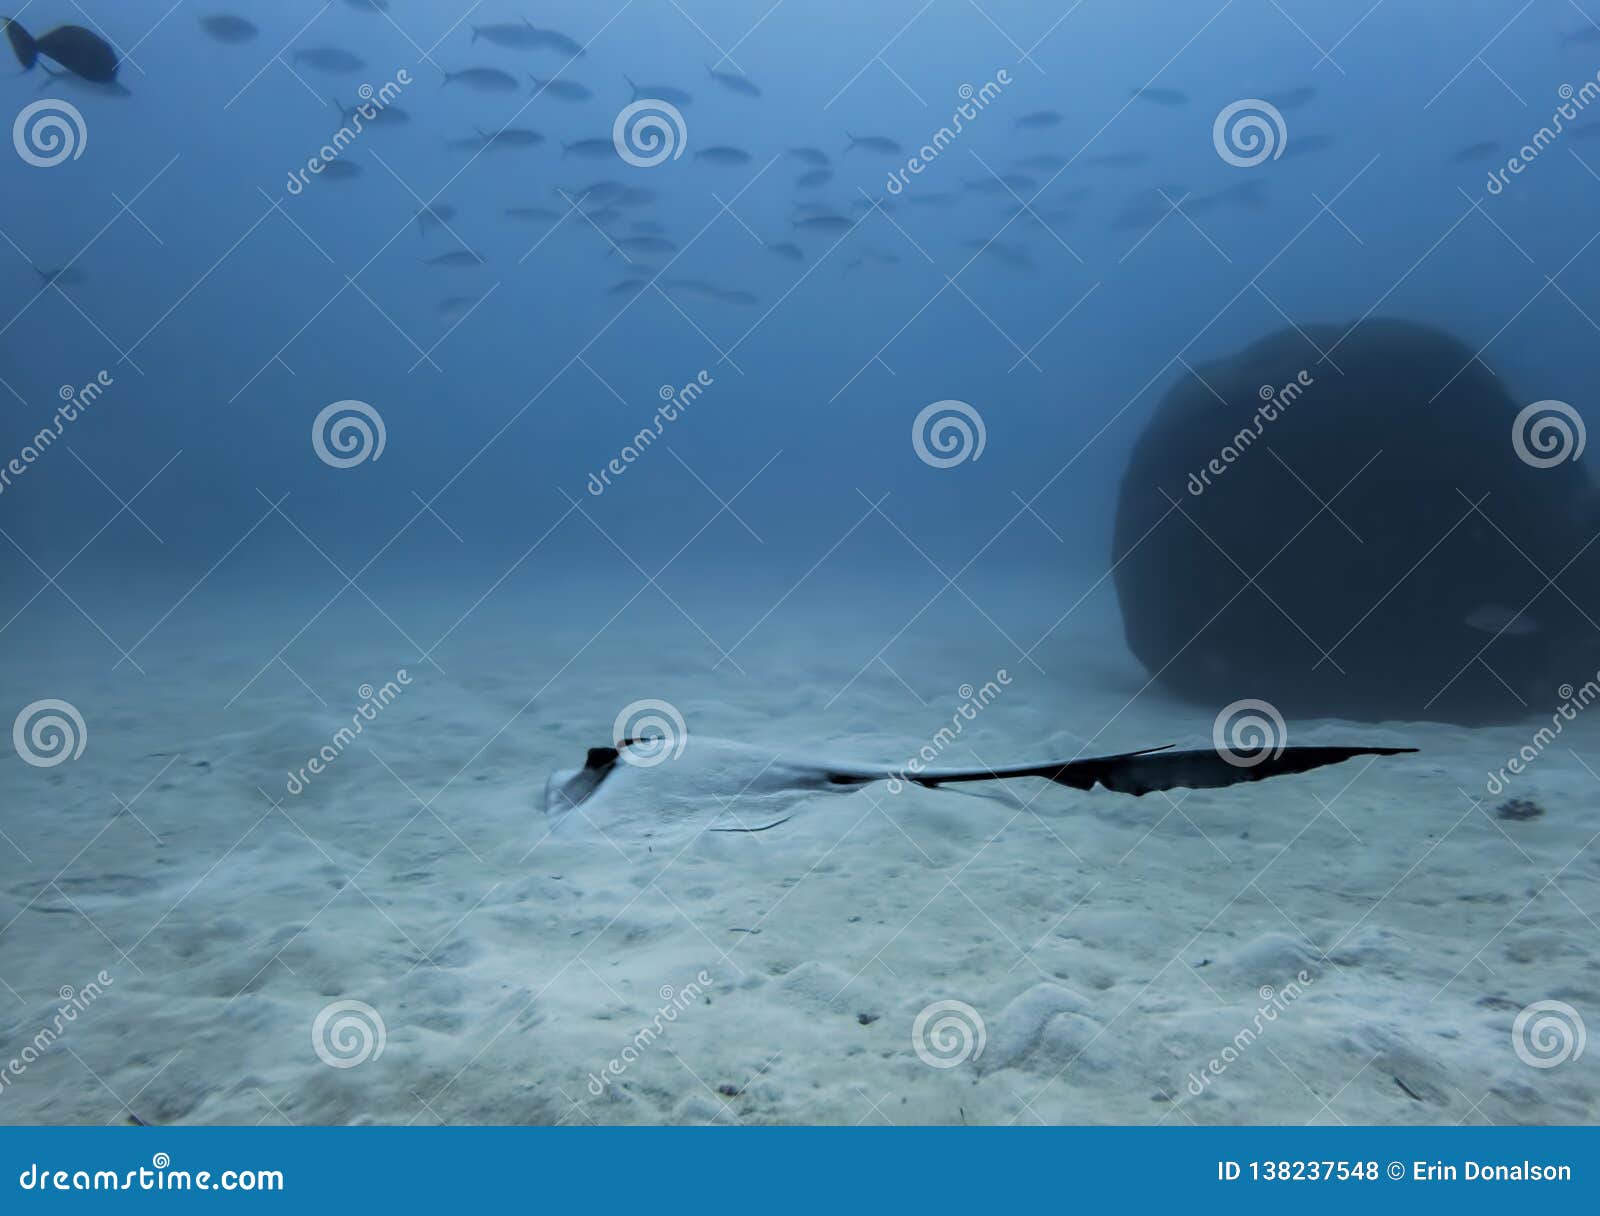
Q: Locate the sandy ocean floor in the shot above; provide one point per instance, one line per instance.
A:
(1110, 947)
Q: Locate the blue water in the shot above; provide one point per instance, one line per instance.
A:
(229, 311)
(229, 289)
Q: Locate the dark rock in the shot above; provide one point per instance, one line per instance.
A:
(1518, 809)
(1348, 498)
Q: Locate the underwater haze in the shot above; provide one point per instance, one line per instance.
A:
(504, 506)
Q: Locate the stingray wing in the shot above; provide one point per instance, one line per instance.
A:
(1136, 773)
(1161, 768)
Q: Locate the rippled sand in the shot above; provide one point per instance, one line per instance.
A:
(1352, 945)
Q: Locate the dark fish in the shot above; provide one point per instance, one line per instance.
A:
(340, 170)
(456, 257)
(788, 249)
(824, 223)
(590, 149)
(872, 143)
(661, 92)
(635, 196)
(1044, 163)
(721, 154)
(1118, 160)
(522, 37)
(561, 90)
(1013, 256)
(371, 114)
(817, 177)
(225, 27)
(532, 213)
(1478, 151)
(648, 228)
(815, 157)
(554, 40)
(698, 287)
(811, 207)
(1583, 36)
(370, 6)
(80, 51)
(1038, 120)
(458, 306)
(738, 297)
(440, 214)
(628, 286)
(735, 81)
(1587, 130)
(603, 215)
(1006, 183)
(596, 192)
(1307, 144)
(936, 198)
(506, 137)
(330, 59)
(1294, 98)
(484, 80)
(1161, 96)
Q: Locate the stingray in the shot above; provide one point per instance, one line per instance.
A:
(655, 779)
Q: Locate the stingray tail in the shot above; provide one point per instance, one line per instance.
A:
(1161, 768)
(22, 43)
